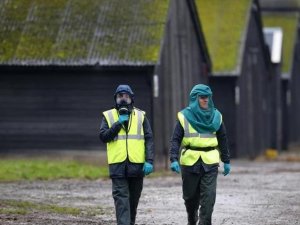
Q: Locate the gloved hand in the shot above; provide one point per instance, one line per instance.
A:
(123, 118)
(148, 168)
(175, 167)
(226, 169)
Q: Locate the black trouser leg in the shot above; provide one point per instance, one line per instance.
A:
(120, 194)
(135, 190)
(208, 187)
(191, 195)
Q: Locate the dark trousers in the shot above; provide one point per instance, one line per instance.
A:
(126, 193)
(199, 190)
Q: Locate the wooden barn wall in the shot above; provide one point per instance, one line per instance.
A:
(276, 101)
(294, 133)
(224, 100)
(252, 125)
(285, 114)
(273, 102)
(46, 108)
(179, 70)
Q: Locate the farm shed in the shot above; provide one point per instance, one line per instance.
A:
(60, 62)
(285, 16)
(241, 72)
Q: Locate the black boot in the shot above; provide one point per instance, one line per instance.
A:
(192, 218)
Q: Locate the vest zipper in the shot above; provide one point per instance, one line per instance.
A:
(126, 131)
(127, 144)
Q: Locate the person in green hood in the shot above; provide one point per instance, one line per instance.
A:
(200, 134)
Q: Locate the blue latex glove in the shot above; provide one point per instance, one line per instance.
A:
(148, 168)
(226, 169)
(175, 167)
(123, 118)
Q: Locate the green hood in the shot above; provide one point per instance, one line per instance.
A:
(202, 120)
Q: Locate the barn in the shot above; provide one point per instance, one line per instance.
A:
(284, 15)
(60, 62)
(241, 74)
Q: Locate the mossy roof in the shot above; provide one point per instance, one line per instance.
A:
(81, 32)
(288, 22)
(224, 24)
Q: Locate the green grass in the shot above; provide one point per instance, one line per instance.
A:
(13, 211)
(14, 170)
(25, 207)
(16, 207)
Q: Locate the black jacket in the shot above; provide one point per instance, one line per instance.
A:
(177, 137)
(126, 168)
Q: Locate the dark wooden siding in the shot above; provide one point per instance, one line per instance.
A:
(61, 108)
(295, 94)
(224, 100)
(252, 111)
(275, 108)
(181, 67)
(284, 115)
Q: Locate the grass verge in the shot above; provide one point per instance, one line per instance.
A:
(24, 169)
(14, 207)
(24, 207)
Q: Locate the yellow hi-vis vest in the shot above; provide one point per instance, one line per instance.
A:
(194, 140)
(132, 144)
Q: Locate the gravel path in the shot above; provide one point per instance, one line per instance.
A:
(258, 193)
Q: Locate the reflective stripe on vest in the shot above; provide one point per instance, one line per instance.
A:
(194, 140)
(132, 144)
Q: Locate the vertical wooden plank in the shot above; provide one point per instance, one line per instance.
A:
(42, 108)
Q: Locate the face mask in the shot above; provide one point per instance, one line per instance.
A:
(123, 104)
(124, 110)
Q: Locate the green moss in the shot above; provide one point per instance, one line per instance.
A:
(40, 33)
(136, 33)
(288, 22)
(76, 30)
(13, 15)
(223, 23)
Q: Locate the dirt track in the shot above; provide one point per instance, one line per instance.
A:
(260, 193)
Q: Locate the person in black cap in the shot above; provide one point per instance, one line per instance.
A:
(130, 152)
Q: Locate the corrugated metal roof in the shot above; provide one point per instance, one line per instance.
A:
(76, 32)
